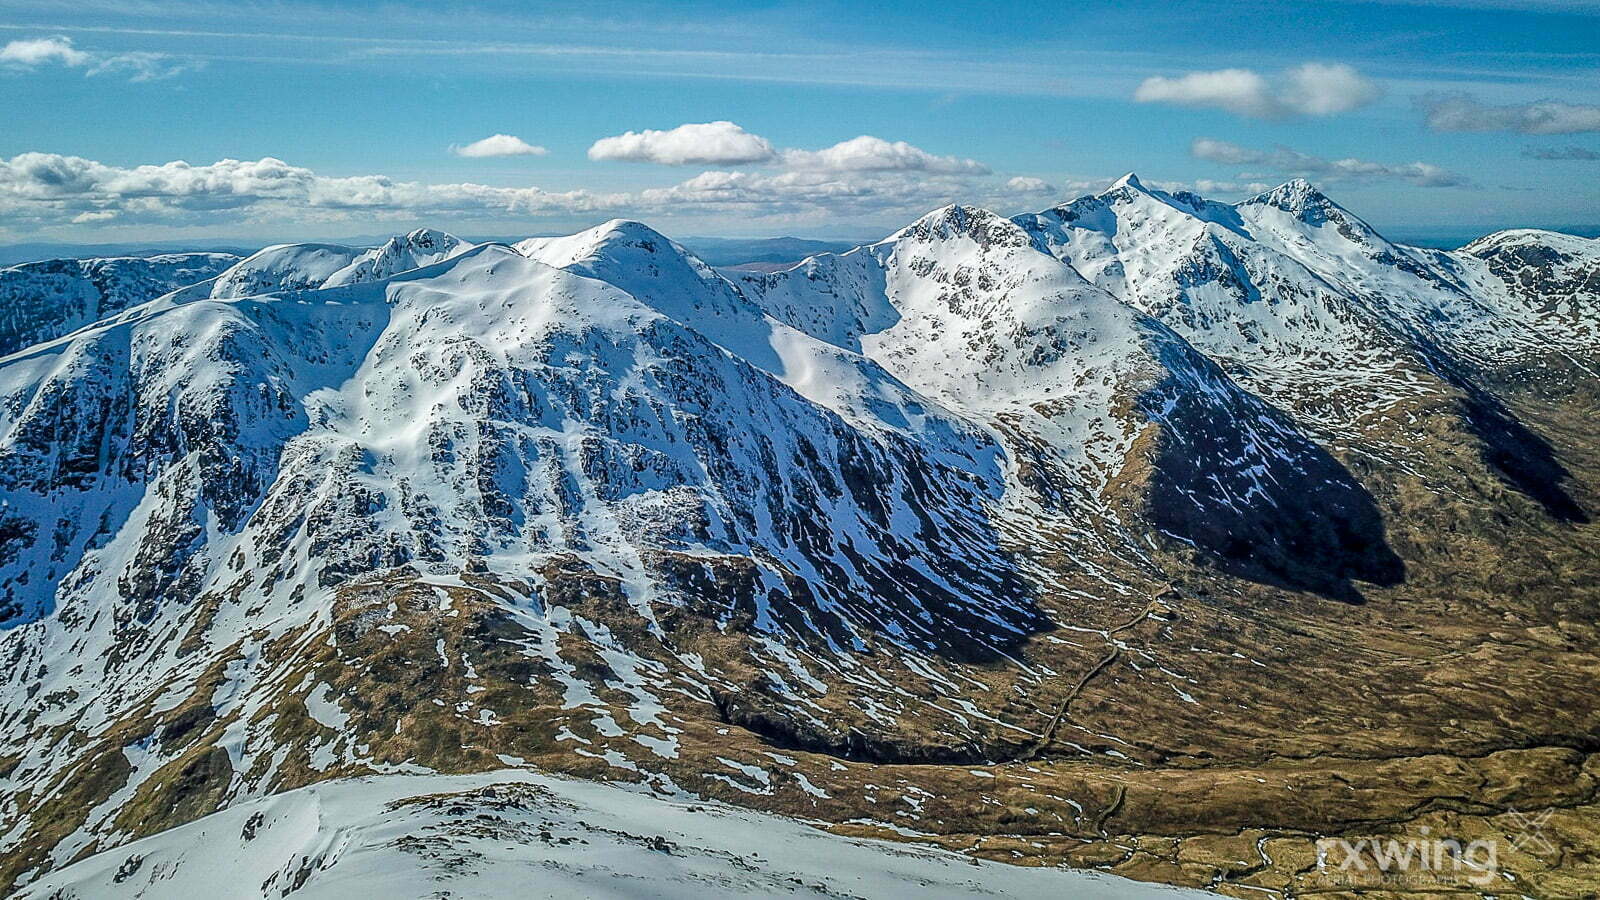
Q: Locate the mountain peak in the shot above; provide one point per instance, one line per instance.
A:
(283, 267)
(1129, 189)
(610, 244)
(429, 239)
(1129, 180)
(415, 249)
(1305, 202)
(630, 229)
(1531, 237)
(955, 214)
(1296, 195)
(975, 222)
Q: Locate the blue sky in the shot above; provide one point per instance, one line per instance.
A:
(837, 119)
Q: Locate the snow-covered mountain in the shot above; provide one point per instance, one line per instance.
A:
(299, 266)
(1540, 286)
(586, 503)
(963, 308)
(1305, 301)
(1309, 307)
(41, 301)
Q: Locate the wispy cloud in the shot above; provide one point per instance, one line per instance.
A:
(29, 54)
(1464, 112)
(1212, 187)
(1581, 7)
(1311, 89)
(1561, 153)
(765, 43)
(1285, 161)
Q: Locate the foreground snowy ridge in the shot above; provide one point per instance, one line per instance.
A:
(590, 503)
(520, 834)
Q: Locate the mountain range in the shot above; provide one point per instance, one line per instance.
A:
(1145, 533)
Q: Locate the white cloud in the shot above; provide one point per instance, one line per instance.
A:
(1025, 184)
(834, 192)
(705, 143)
(1228, 154)
(1322, 89)
(138, 66)
(725, 143)
(40, 51)
(1211, 188)
(1311, 89)
(1238, 91)
(1463, 112)
(873, 154)
(141, 66)
(498, 145)
(45, 189)
(862, 199)
(1286, 161)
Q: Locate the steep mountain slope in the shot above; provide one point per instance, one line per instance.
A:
(43, 300)
(1081, 538)
(647, 265)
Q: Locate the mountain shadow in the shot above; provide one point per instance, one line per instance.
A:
(1237, 481)
(1521, 458)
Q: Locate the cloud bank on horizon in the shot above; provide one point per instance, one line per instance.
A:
(862, 175)
(602, 111)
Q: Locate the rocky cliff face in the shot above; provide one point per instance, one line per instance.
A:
(1081, 536)
(42, 301)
